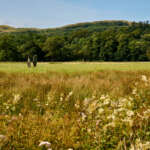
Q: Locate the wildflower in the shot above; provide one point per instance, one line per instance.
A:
(146, 114)
(132, 147)
(113, 104)
(100, 110)
(146, 145)
(97, 122)
(93, 96)
(134, 92)
(16, 98)
(70, 148)
(104, 97)
(70, 94)
(106, 101)
(89, 130)
(35, 99)
(2, 137)
(130, 121)
(111, 124)
(144, 78)
(83, 116)
(92, 107)
(119, 110)
(129, 104)
(77, 106)
(45, 143)
(130, 98)
(86, 101)
(130, 113)
(61, 99)
(111, 117)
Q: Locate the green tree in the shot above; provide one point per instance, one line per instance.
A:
(54, 48)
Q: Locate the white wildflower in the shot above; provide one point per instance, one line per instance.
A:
(102, 97)
(93, 97)
(13, 108)
(70, 94)
(119, 110)
(132, 147)
(49, 97)
(16, 98)
(61, 98)
(122, 102)
(89, 130)
(2, 137)
(92, 107)
(144, 78)
(130, 113)
(106, 101)
(112, 116)
(86, 101)
(130, 98)
(45, 143)
(114, 104)
(146, 114)
(147, 145)
(35, 99)
(129, 104)
(77, 106)
(134, 92)
(128, 120)
(100, 110)
(83, 115)
(97, 122)
(111, 124)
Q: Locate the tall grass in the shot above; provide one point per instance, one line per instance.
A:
(105, 110)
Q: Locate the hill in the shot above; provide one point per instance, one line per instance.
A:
(91, 26)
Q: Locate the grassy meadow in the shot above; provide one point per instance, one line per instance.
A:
(74, 67)
(75, 106)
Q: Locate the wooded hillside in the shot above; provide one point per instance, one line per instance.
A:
(96, 41)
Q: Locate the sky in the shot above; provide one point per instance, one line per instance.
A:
(56, 13)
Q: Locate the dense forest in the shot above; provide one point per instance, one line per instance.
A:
(97, 41)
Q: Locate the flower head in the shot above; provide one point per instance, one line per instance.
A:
(45, 143)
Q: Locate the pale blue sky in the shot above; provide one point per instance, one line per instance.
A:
(55, 13)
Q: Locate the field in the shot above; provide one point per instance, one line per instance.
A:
(75, 67)
(75, 106)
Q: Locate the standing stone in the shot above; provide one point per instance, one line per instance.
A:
(35, 60)
(28, 62)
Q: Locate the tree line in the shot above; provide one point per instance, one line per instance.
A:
(125, 43)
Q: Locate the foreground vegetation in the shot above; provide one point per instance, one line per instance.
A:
(105, 110)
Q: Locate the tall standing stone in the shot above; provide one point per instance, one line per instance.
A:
(35, 60)
(28, 62)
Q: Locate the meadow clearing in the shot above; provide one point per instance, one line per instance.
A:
(74, 67)
(75, 106)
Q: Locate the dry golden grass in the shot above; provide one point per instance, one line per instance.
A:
(75, 111)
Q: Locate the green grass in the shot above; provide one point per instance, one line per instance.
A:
(74, 67)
